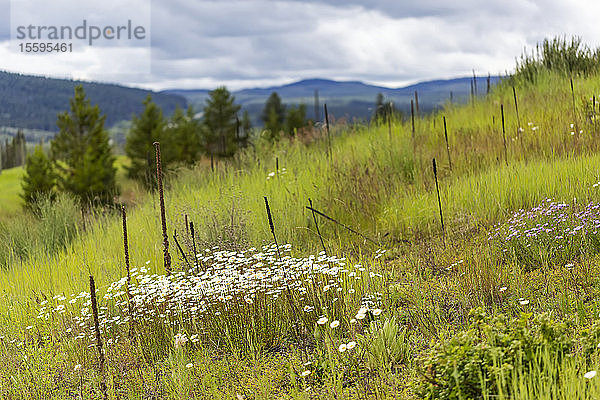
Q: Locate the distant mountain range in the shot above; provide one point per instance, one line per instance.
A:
(351, 99)
(32, 103)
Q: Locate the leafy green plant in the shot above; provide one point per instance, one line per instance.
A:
(387, 347)
(480, 359)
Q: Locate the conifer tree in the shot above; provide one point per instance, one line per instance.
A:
(13, 153)
(82, 154)
(383, 109)
(273, 116)
(220, 120)
(183, 133)
(145, 130)
(295, 119)
(39, 179)
(245, 130)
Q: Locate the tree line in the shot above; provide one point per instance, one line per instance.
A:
(81, 160)
(13, 153)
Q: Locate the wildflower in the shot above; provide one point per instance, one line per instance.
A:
(334, 324)
(351, 345)
(322, 321)
(362, 313)
(77, 367)
(523, 302)
(305, 373)
(503, 288)
(377, 311)
(189, 365)
(343, 347)
(353, 321)
(590, 374)
(180, 340)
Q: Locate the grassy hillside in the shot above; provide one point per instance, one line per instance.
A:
(498, 304)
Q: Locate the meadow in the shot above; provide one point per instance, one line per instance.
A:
(502, 302)
(10, 181)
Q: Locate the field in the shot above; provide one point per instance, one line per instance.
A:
(501, 302)
(10, 182)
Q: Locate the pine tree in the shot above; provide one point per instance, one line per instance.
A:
(39, 179)
(183, 133)
(383, 109)
(273, 116)
(295, 119)
(19, 149)
(13, 153)
(220, 120)
(82, 154)
(245, 130)
(145, 130)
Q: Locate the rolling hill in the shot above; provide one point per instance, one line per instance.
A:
(32, 102)
(350, 99)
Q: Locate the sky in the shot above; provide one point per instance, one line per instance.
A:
(260, 43)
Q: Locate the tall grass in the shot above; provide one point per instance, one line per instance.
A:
(374, 184)
(55, 225)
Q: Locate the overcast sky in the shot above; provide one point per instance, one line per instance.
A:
(257, 43)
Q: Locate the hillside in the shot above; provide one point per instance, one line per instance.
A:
(425, 267)
(33, 102)
(351, 100)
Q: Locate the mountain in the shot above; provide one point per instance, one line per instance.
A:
(33, 102)
(349, 99)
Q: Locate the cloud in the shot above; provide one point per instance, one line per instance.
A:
(4, 20)
(249, 43)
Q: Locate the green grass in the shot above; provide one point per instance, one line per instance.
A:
(10, 190)
(381, 186)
